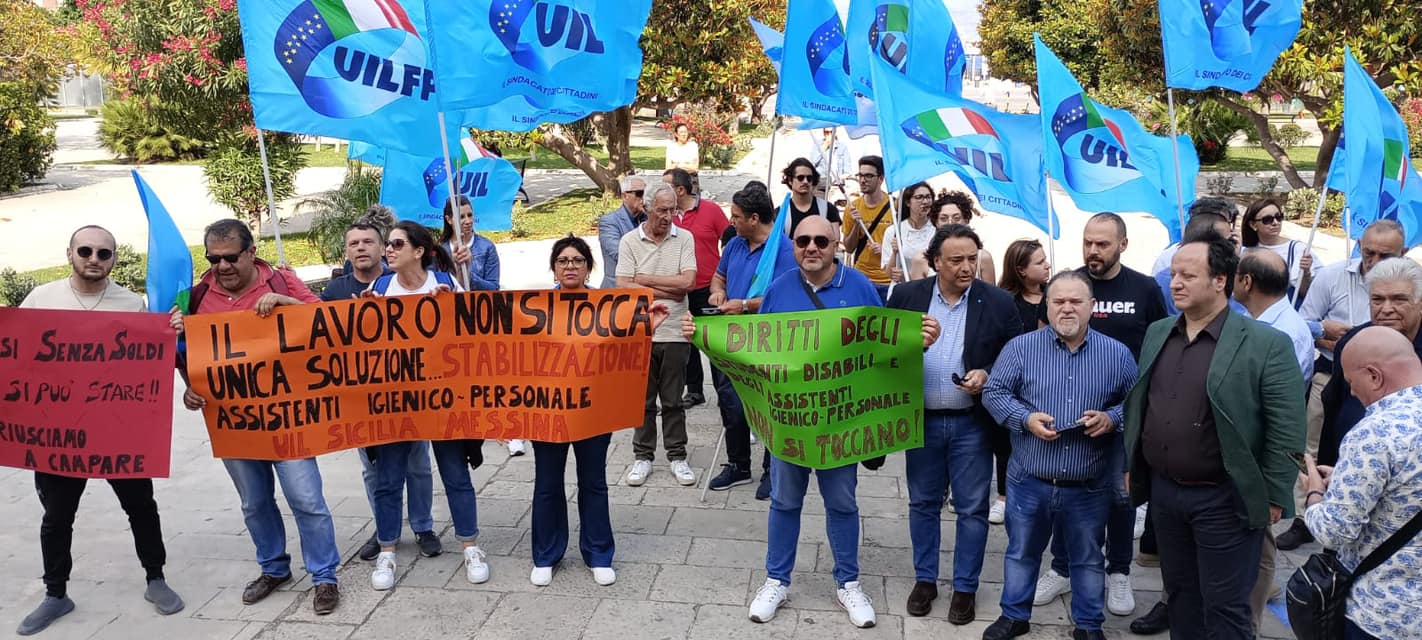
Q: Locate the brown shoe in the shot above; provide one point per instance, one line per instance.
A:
(920, 600)
(263, 586)
(327, 597)
(963, 608)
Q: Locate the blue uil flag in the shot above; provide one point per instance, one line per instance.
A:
(518, 113)
(814, 73)
(354, 69)
(1375, 172)
(915, 37)
(928, 133)
(580, 56)
(1103, 157)
(772, 42)
(416, 187)
(1225, 43)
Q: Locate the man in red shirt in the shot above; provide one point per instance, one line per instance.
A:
(707, 223)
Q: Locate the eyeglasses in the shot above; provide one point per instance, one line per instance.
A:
(230, 258)
(571, 262)
(821, 242)
(804, 177)
(398, 244)
(868, 176)
(1271, 219)
(922, 197)
(637, 193)
(85, 252)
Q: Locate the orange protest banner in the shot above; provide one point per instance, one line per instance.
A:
(553, 366)
(86, 394)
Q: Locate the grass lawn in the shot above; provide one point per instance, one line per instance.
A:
(1256, 159)
(646, 158)
(573, 212)
(299, 253)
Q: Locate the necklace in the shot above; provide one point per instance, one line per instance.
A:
(79, 300)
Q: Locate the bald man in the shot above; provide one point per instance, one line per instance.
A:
(1261, 284)
(92, 254)
(1376, 486)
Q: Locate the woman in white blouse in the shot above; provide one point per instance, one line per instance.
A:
(914, 224)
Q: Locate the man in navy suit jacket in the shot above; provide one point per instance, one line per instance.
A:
(976, 319)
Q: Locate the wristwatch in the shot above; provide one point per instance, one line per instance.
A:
(744, 307)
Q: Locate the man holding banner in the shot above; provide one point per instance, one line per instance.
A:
(238, 281)
(977, 320)
(92, 255)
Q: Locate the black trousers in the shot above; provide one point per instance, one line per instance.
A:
(1209, 559)
(696, 299)
(59, 495)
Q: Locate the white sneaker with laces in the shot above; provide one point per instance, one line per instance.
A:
(684, 475)
(639, 472)
(604, 576)
(767, 600)
(541, 576)
(857, 604)
(1120, 597)
(383, 577)
(474, 567)
(516, 447)
(998, 512)
(1140, 522)
(1049, 587)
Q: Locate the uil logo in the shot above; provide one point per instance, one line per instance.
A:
(555, 33)
(889, 38)
(1094, 153)
(473, 184)
(829, 58)
(1231, 23)
(349, 59)
(944, 129)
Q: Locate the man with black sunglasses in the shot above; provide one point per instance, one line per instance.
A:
(619, 222)
(91, 255)
(240, 281)
(802, 178)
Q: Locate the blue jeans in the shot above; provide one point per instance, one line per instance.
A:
(390, 471)
(301, 483)
(550, 502)
(788, 483)
(1079, 515)
(1120, 525)
(419, 486)
(955, 452)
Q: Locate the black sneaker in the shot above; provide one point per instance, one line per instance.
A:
(762, 492)
(730, 476)
(692, 399)
(1297, 536)
(370, 549)
(429, 543)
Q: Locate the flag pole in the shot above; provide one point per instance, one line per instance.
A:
(1051, 224)
(1347, 256)
(1175, 151)
(898, 236)
(1317, 216)
(770, 163)
(462, 271)
(271, 199)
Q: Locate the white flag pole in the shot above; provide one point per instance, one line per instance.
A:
(271, 199)
(462, 271)
(1175, 151)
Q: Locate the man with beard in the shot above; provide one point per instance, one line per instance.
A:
(92, 255)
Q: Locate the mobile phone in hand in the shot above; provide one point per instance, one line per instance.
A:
(1298, 458)
(710, 311)
(1075, 425)
(957, 379)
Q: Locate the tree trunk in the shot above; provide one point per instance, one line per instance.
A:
(1266, 140)
(619, 142)
(1325, 154)
(559, 142)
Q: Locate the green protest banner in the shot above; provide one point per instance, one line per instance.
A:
(824, 388)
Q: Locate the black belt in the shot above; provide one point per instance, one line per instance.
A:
(948, 412)
(1066, 484)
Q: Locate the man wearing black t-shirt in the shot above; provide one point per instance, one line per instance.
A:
(800, 175)
(1127, 302)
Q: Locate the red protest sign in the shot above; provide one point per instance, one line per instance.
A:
(87, 394)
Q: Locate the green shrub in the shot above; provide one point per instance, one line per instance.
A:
(337, 209)
(130, 130)
(234, 173)
(1303, 203)
(1289, 135)
(14, 286)
(130, 269)
(26, 137)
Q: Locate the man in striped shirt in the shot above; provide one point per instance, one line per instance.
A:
(1059, 390)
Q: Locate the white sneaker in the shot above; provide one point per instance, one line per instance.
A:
(384, 575)
(604, 576)
(639, 472)
(516, 448)
(767, 600)
(998, 512)
(1140, 522)
(684, 475)
(541, 576)
(1049, 587)
(857, 604)
(1120, 597)
(474, 567)
(752, 437)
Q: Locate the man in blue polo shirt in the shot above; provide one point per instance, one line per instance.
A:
(753, 218)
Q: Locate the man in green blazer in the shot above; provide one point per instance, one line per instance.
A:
(1210, 425)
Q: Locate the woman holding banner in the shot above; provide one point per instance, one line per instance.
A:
(420, 266)
(571, 263)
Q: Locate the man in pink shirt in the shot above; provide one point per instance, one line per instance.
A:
(707, 223)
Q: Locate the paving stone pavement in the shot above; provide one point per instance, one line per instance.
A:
(686, 569)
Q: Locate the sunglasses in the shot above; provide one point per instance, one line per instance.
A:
(804, 241)
(637, 193)
(571, 262)
(398, 244)
(804, 177)
(230, 258)
(85, 252)
(1271, 219)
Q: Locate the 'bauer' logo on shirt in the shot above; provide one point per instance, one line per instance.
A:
(1104, 307)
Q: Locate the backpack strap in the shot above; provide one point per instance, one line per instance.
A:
(445, 279)
(382, 283)
(1392, 545)
(278, 283)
